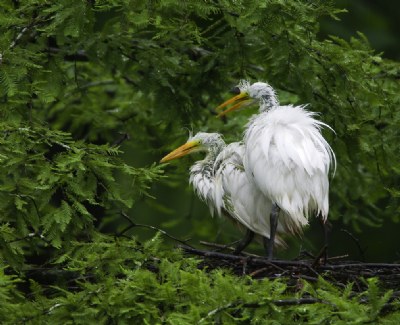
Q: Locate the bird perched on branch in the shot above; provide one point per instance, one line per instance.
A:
(220, 180)
(285, 155)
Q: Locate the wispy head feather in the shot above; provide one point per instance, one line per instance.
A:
(244, 85)
(189, 131)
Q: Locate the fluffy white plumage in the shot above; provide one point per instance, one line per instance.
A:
(287, 156)
(236, 194)
(202, 173)
(221, 181)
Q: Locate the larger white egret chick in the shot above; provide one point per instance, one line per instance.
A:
(286, 155)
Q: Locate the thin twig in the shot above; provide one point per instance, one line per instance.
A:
(125, 136)
(133, 224)
(300, 301)
(256, 272)
(305, 277)
(266, 269)
(357, 241)
(339, 257)
(219, 246)
(21, 33)
(280, 303)
(219, 309)
(79, 55)
(30, 235)
(226, 246)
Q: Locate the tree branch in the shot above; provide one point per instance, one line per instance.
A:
(133, 224)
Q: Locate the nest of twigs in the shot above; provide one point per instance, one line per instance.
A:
(336, 270)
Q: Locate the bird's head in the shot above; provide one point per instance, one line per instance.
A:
(248, 94)
(201, 141)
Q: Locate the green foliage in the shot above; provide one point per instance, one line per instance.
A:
(115, 66)
(93, 92)
(116, 280)
(50, 183)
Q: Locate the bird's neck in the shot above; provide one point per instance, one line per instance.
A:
(268, 102)
(212, 155)
(208, 162)
(202, 175)
(204, 167)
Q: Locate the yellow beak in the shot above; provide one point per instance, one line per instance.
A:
(183, 150)
(238, 101)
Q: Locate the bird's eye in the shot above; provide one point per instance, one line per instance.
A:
(235, 91)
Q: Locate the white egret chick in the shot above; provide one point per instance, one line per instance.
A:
(220, 180)
(285, 155)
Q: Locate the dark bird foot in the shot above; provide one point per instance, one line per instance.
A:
(244, 242)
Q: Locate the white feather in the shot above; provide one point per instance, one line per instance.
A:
(238, 194)
(220, 181)
(288, 159)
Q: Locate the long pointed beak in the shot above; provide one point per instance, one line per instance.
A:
(238, 101)
(183, 150)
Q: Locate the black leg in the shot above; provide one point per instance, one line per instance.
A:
(325, 228)
(269, 242)
(248, 237)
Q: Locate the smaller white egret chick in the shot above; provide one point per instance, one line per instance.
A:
(220, 180)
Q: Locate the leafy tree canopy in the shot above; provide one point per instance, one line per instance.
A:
(93, 92)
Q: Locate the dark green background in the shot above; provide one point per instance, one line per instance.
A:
(179, 211)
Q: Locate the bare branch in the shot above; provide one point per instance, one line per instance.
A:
(133, 224)
(357, 241)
